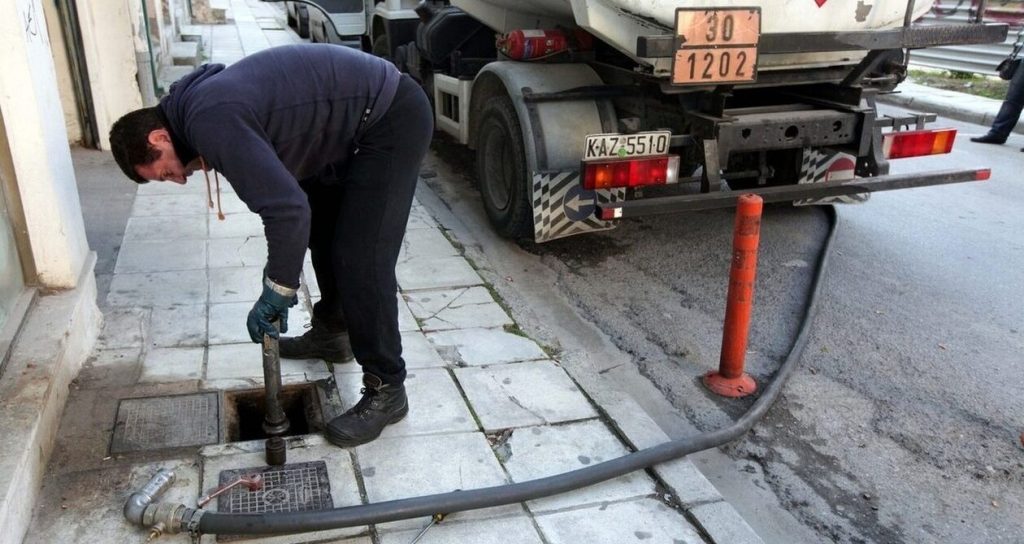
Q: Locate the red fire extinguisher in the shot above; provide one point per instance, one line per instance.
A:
(535, 44)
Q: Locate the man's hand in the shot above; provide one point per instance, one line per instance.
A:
(272, 304)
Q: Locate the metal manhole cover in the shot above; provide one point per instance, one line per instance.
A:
(174, 421)
(296, 487)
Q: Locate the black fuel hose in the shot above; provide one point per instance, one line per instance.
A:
(457, 501)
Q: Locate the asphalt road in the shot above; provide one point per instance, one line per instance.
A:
(904, 421)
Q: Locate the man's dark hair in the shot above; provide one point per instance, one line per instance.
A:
(129, 141)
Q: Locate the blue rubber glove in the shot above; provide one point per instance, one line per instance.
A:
(272, 304)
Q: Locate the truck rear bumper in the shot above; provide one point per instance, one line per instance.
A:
(782, 193)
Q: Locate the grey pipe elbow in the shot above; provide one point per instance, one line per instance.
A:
(137, 502)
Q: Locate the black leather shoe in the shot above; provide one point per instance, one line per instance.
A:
(318, 342)
(382, 404)
(989, 139)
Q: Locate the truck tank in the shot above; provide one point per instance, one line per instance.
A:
(620, 22)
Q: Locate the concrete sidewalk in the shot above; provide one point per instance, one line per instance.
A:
(952, 104)
(173, 379)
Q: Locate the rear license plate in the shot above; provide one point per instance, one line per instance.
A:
(625, 146)
(716, 46)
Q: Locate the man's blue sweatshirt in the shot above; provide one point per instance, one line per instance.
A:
(276, 117)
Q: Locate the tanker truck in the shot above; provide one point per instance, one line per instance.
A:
(586, 112)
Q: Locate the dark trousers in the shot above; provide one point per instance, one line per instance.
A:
(358, 222)
(1010, 111)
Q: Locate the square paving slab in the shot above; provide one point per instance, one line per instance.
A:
(536, 452)
(236, 284)
(181, 203)
(393, 468)
(237, 252)
(160, 256)
(644, 520)
(452, 530)
(236, 225)
(521, 394)
(418, 352)
(457, 309)
(158, 288)
(168, 365)
(425, 242)
(123, 328)
(478, 347)
(178, 325)
(191, 227)
(436, 273)
(419, 218)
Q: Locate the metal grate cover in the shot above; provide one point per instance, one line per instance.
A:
(295, 487)
(175, 421)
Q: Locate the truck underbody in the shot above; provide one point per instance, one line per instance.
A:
(803, 134)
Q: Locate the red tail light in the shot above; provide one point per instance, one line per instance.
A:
(631, 172)
(918, 143)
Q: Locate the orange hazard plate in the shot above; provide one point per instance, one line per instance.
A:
(716, 46)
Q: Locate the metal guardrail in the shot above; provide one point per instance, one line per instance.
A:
(978, 59)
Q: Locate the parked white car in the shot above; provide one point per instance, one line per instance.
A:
(298, 18)
(341, 22)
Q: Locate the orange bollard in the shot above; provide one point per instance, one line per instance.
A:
(731, 380)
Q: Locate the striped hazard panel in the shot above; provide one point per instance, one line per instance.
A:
(823, 164)
(561, 207)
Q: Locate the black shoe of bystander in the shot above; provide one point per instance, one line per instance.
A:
(989, 139)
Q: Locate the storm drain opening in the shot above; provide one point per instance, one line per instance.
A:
(170, 421)
(297, 487)
(244, 412)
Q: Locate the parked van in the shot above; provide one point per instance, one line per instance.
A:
(341, 22)
(298, 18)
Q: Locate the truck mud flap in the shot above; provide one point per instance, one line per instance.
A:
(562, 207)
(821, 165)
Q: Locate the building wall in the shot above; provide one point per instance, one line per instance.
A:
(37, 144)
(108, 37)
(65, 85)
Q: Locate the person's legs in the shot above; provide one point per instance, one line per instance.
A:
(1009, 111)
(377, 195)
(325, 205)
(328, 337)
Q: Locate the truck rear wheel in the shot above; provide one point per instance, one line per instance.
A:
(501, 170)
